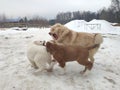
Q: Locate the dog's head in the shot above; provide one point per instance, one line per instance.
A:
(56, 30)
(43, 43)
(50, 47)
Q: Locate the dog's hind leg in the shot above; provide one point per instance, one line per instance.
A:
(92, 59)
(82, 72)
(92, 53)
(88, 64)
(85, 72)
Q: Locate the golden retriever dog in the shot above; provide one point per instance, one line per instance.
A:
(65, 53)
(62, 34)
(39, 57)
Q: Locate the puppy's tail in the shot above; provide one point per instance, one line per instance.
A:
(43, 43)
(95, 46)
(98, 39)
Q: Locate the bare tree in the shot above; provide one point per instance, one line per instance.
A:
(115, 6)
(37, 21)
(3, 18)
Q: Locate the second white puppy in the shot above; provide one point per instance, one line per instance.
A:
(39, 57)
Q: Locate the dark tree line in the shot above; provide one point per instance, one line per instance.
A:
(112, 14)
(36, 21)
(65, 17)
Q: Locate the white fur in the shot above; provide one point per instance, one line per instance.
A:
(39, 57)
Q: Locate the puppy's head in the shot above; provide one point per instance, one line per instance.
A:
(56, 30)
(50, 47)
(43, 43)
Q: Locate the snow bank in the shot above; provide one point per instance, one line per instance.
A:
(105, 26)
(94, 26)
(76, 24)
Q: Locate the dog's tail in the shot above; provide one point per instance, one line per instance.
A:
(95, 46)
(98, 39)
(39, 43)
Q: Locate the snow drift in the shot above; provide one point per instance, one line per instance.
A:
(95, 26)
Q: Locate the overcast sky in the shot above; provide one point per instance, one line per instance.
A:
(48, 8)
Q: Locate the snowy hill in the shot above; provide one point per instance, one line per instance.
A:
(99, 26)
(76, 24)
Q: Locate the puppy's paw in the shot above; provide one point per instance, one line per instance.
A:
(35, 67)
(62, 73)
(82, 72)
(39, 71)
(36, 73)
(49, 70)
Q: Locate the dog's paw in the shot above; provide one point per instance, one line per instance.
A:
(86, 73)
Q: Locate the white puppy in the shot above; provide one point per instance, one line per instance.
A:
(39, 57)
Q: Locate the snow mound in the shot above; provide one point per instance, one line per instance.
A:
(94, 26)
(105, 25)
(76, 24)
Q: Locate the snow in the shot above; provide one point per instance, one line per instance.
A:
(76, 24)
(94, 26)
(17, 74)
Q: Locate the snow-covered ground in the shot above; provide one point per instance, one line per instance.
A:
(17, 74)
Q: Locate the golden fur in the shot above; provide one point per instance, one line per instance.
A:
(65, 53)
(62, 34)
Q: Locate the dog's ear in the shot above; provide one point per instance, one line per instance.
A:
(57, 25)
(48, 44)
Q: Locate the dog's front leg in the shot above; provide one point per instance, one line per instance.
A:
(51, 65)
(62, 65)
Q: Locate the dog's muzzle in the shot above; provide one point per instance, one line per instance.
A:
(53, 35)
